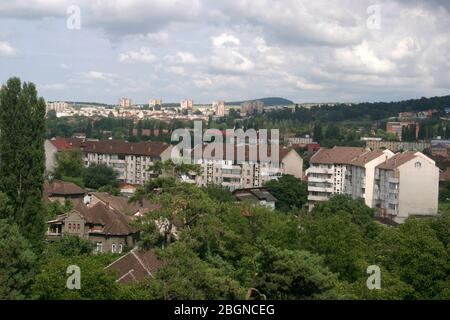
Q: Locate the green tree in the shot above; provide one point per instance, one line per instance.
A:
(70, 246)
(291, 192)
(219, 193)
(17, 263)
(99, 175)
(22, 157)
(69, 164)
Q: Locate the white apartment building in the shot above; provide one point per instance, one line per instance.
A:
(362, 173)
(252, 172)
(155, 102)
(219, 108)
(125, 103)
(130, 160)
(58, 106)
(407, 185)
(187, 104)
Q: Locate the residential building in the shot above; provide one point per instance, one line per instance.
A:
(259, 196)
(343, 170)
(187, 104)
(57, 106)
(125, 103)
(130, 160)
(401, 185)
(397, 128)
(397, 146)
(155, 102)
(249, 172)
(407, 185)
(121, 204)
(61, 191)
(135, 266)
(219, 108)
(107, 228)
(252, 107)
(55, 145)
(299, 141)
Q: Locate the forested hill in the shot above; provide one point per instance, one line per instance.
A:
(361, 111)
(271, 101)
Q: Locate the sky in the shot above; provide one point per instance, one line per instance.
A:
(306, 51)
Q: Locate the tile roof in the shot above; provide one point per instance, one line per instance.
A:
(397, 160)
(136, 265)
(340, 155)
(65, 144)
(62, 188)
(143, 148)
(251, 151)
(113, 221)
(123, 205)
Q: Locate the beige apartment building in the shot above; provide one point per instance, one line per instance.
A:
(407, 185)
(57, 106)
(251, 172)
(219, 108)
(130, 160)
(365, 174)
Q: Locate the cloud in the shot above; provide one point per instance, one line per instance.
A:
(53, 87)
(144, 55)
(6, 49)
(225, 39)
(98, 76)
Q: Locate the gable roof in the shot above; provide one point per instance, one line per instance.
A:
(123, 205)
(136, 265)
(340, 155)
(143, 148)
(397, 160)
(62, 188)
(113, 222)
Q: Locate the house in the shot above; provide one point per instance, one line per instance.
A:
(259, 196)
(135, 266)
(107, 228)
(58, 190)
(120, 203)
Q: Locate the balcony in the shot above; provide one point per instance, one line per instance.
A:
(319, 170)
(318, 198)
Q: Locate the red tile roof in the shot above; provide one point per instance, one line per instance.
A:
(143, 148)
(135, 266)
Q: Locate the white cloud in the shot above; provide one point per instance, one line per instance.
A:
(225, 39)
(6, 49)
(53, 87)
(144, 55)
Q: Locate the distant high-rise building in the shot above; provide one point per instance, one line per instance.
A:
(252, 107)
(155, 102)
(187, 104)
(57, 106)
(125, 102)
(219, 108)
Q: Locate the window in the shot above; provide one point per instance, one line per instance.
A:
(113, 248)
(99, 247)
(418, 165)
(70, 226)
(120, 248)
(78, 227)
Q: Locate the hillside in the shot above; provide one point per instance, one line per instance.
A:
(270, 101)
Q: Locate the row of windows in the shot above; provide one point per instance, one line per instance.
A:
(114, 248)
(74, 227)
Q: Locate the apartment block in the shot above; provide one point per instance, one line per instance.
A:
(187, 104)
(407, 185)
(130, 160)
(125, 103)
(397, 128)
(219, 108)
(58, 106)
(374, 176)
(251, 172)
(397, 146)
(252, 107)
(155, 102)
